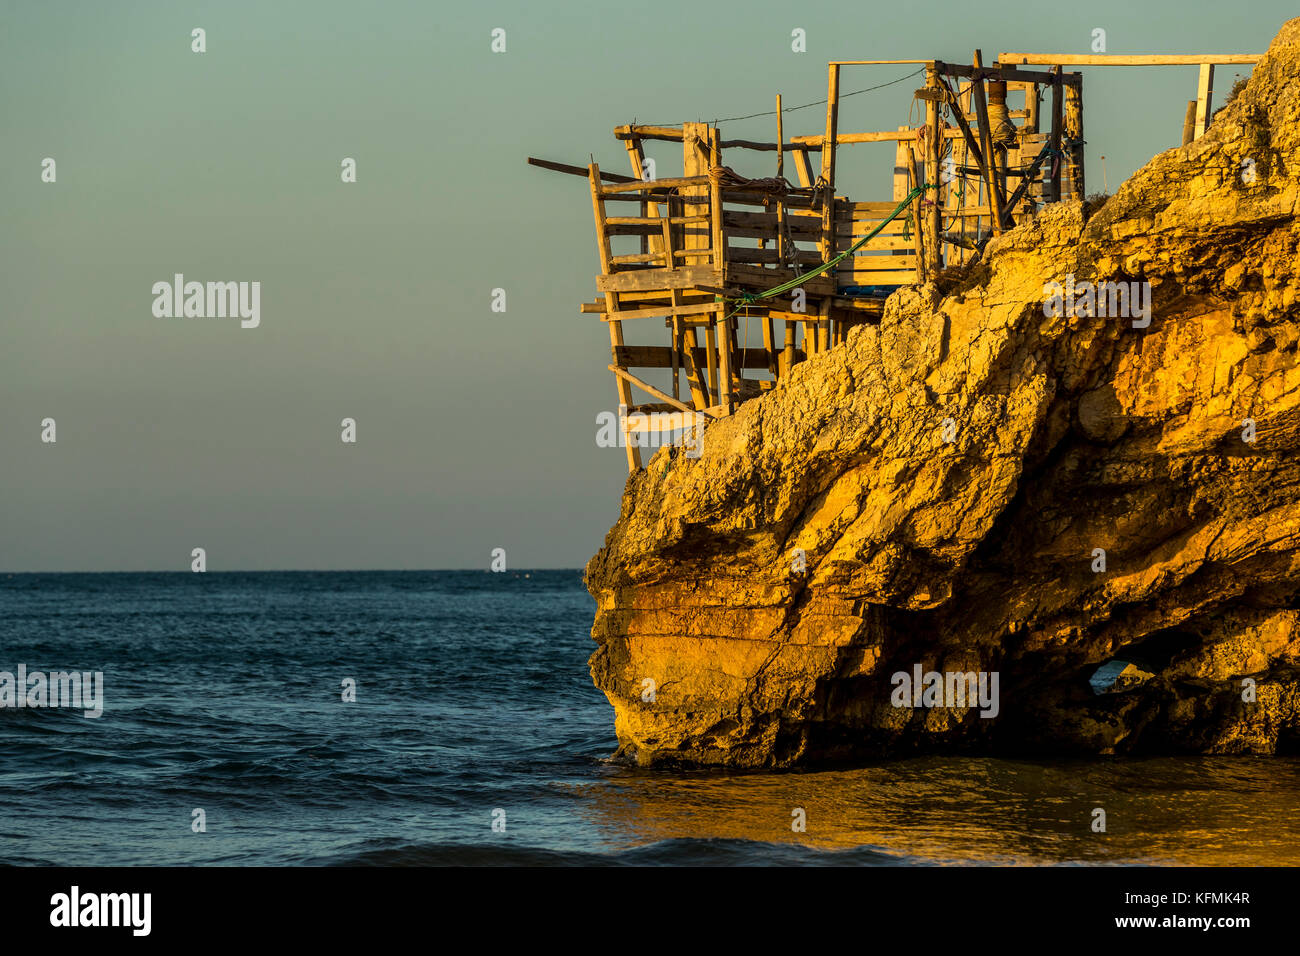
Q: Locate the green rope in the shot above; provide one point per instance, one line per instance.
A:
(749, 298)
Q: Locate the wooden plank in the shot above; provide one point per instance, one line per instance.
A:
(653, 418)
(686, 277)
(740, 274)
(662, 311)
(577, 170)
(876, 277)
(750, 254)
(660, 356)
(1204, 98)
(648, 184)
(628, 377)
(802, 165)
(849, 139)
(878, 262)
(1120, 59)
(761, 147)
(668, 133)
(996, 71)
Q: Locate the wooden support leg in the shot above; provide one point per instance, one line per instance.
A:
(711, 356)
(787, 356)
(694, 375)
(1204, 97)
(724, 365)
(769, 344)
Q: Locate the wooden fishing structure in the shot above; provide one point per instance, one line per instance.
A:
(712, 250)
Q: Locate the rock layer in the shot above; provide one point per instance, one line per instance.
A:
(1070, 434)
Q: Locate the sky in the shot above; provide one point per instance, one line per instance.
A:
(475, 429)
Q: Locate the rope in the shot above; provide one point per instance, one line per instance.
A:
(749, 298)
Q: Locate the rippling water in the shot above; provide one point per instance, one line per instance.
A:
(223, 692)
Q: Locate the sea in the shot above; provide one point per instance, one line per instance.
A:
(448, 717)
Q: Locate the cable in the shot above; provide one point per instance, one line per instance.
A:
(791, 109)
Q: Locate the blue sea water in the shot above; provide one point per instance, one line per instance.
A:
(223, 693)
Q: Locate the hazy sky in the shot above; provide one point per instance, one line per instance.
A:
(476, 429)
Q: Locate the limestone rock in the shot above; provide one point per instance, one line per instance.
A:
(1074, 436)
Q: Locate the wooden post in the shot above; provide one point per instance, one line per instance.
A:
(648, 209)
(1189, 122)
(917, 243)
(1058, 127)
(828, 161)
(990, 164)
(1204, 97)
(933, 148)
(717, 238)
(694, 376)
(724, 362)
(902, 177)
(787, 354)
(781, 251)
(611, 306)
(1074, 130)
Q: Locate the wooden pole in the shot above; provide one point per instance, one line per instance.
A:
(933, 147)
(781, 251)
(1074, 130)
(1204, 96)
(1189, 122)
(990, 164)
(828, 161)
(1058, 127)
(915, 169)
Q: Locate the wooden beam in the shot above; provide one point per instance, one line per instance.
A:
(669, 133)
(577, 170)
(658, 356)
(1001, 72)
(647, 184)
(627, 376)
(1118, 59)
(802, 165)
(848, 139)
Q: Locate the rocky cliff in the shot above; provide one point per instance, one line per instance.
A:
(1098, 511)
